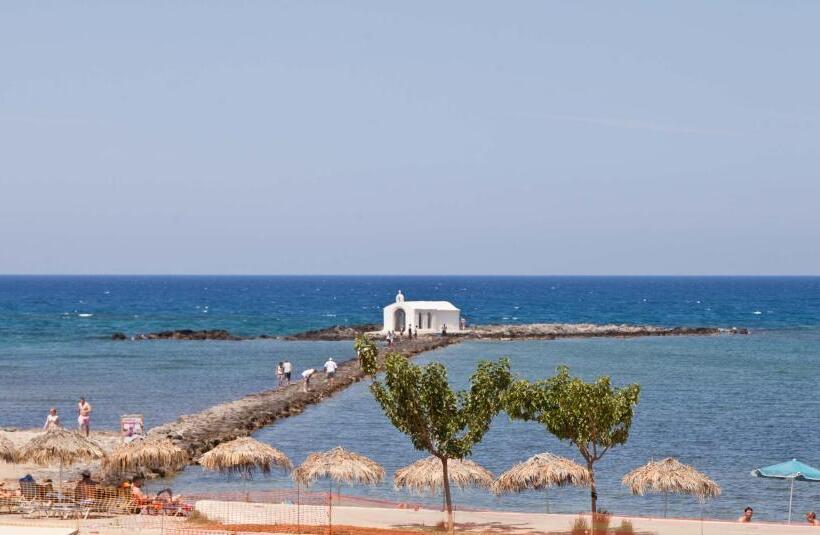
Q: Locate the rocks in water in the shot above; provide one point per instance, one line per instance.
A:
(550, 331)
(337, 332)
(188, 334)
(540, 331)
(183, 334)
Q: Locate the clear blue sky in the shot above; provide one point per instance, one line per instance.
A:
(415, 138)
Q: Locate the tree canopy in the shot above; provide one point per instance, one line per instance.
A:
(419, 402)
(593, 416)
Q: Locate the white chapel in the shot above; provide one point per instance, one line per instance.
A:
(422, 316)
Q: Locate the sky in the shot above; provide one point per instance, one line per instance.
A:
(372, 137)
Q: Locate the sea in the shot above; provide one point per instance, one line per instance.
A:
(724, 404)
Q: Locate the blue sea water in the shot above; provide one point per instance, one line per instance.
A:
(724, 404)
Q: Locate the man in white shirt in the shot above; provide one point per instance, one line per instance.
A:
(330, 369)
(306, 375)
(287, 369)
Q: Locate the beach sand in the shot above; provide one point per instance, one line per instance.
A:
(10, 473)
(483, 521)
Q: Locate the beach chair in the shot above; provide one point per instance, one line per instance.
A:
(33, 500)
(177, 509)
(9, 504)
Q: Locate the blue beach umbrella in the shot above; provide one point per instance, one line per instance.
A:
(793, 470)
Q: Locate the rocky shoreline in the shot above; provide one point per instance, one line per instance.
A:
(527, 331)
(550, 331)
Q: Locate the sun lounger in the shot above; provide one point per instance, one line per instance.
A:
(33, 500)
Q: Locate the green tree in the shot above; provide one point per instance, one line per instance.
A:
(419, 402)
(368, 354)
(594, 417)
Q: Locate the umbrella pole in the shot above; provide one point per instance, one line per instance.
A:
(330, 508)
(791, 493)
(665, 503)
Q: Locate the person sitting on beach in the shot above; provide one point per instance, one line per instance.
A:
(52, 420)
(306, 375)
(167, 495)
(811, 518)
(86, 488)
(7, 493)
(747, 515)
(330, 369)
(137, 493)
(45, 489)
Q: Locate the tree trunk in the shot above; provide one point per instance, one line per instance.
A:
(593, 493)
(593, 496)
(448, 500)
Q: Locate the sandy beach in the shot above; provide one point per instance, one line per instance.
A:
(255, 515)
(10, 473)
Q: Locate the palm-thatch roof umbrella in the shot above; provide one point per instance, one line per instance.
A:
(243, 456)
(341, 466)
(542, 471)
(152, 453)
(427, 476)
(60, 446)
(670, 476)
(7, 451)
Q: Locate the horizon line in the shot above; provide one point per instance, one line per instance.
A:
(422, 275)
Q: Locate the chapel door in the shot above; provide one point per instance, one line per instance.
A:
(398, 320)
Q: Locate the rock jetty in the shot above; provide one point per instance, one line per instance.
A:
(182, 334)
(198, 433)
(531, 331)
(549, 331)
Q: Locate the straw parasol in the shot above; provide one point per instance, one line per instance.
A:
(670, 476)
(7, 450)
(59, 446)
(341, 466)
(243, 456)
(146, 454)
(426, 475)
(542, 471)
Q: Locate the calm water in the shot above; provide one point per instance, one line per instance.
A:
(724, 404)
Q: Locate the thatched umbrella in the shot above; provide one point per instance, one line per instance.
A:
(61, 446)
(670, 476)
(540, 472)
(426, 475)
(7, 451)
(243, 456)
(146, 454)
(341, 466)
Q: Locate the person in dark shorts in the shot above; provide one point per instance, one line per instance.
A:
(287, 367)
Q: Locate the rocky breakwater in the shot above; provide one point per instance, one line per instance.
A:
(181, 334)
(549, 331)
(200, 432)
